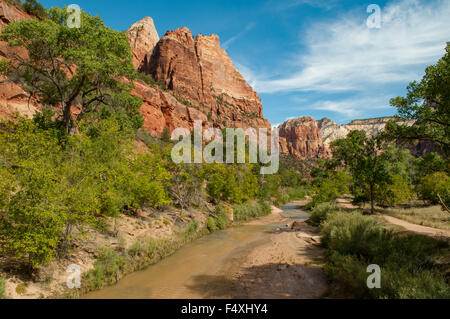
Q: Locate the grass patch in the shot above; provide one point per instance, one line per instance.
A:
(412, 266)
(21, 288)
(320, 213)
(432, 216)
(251, 210)
(2, 287)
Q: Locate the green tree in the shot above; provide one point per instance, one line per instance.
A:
(433, 186)
(362, 156)
(330, 188)
(428, 103)
(52, 187)
(69, 68)
(397, 191)
(431, 163)
(35, 8)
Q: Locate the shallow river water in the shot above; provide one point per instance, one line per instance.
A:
(176, 276)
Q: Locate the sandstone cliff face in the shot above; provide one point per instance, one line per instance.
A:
(160, 110)
(12, 97)
(9, 13)
(199, 71)
(331, 131)
(143, 37)
(301, 138)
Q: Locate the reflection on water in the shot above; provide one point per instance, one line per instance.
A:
(172, 277)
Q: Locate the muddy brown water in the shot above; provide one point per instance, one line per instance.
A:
(174, 277)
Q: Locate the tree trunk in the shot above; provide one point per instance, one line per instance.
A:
(68, 120)
(372, 199)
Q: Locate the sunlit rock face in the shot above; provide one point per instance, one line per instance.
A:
(301, 138)
(143, 38)
(199, 72)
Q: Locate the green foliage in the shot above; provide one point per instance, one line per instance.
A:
(66, 67)
(320, 213)
(433, 185)
(297, 193)
(409, 263)
(431, 163)
(2, 287)
(211, 224)
(332, 187)
(193, 227)
(107, 268)
(361, 155)
(220, 211)
(290, 178)
(135, 249)
(51, 187)
(427, 102)
(397, 191)
(248, 211)
(353, 233)
(35, 8)
(233, 183)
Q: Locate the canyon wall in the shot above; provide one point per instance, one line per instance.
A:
(301, 138)
(198, 71)
(307, 138)
(13, 99)
(202, 82)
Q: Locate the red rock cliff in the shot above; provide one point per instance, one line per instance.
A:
(12, 97)
(199, 71)
(301, 138)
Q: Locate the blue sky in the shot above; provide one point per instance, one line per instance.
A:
(307, 57)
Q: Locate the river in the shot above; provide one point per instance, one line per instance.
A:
(183, 274)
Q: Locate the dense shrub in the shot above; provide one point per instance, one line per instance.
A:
(296, 193)
(52, 186)
(320, 213)
(433, 185)
(251, 210)
(410, 264)
(353, 233)
(35, 8)
(211, 224)
(2, 287)
(107, 268)
(330, 188)
(397, 191)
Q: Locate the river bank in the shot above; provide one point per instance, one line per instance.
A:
(262, 258)
(265, 258)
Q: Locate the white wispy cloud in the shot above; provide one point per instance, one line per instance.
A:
(227, 43)
(350, 107)
(345, 55)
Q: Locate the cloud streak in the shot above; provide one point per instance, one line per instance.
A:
(346, 56)
(227, 43)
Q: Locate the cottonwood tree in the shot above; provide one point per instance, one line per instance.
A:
(362, 156)
(428, 103)
(73, 68)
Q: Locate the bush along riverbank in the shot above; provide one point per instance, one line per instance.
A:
(412, 266)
